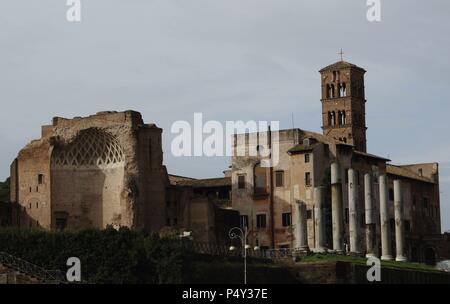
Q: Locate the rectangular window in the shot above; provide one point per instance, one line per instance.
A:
(261, 221)
(286, 217)
(346, 176)
(279, 179)
(40, 179)
(244, 221)
(241, 181)
(307, 158)
(308, 179)
(308, 214)
(346, 216)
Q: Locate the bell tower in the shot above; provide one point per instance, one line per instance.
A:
(344, 104)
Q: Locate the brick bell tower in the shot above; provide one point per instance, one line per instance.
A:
(344, 104)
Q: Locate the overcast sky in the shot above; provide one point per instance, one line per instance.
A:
(230, 60)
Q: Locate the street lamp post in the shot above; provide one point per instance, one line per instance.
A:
(238, 233)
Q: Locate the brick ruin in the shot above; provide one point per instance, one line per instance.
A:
(101, 170)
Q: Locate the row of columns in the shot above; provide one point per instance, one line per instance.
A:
(337, 212)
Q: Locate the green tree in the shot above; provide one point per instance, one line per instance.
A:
(4, 191)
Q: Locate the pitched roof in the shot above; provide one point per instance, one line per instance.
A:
(302, 148)
(403, 172)
(341, 65)
(174, 179)
(370, 155)
(205, 183)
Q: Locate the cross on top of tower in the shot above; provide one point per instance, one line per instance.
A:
(341, 53)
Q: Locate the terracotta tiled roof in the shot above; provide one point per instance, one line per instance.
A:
(174, 179)
(341, 65)
(403, 172)
(302, 148)
(205, 183)
(370, 155)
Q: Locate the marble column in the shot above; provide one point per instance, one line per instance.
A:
(318, 219)
(353, 211)
(337, 207)
(386, 248)
(370, 218)
(302, 227)
(399, 229)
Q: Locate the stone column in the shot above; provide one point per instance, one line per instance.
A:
(370, 218)
(386, 248)
(353, 211)
(302, 227)
(399, 229)
(336, 207)
(318, 219)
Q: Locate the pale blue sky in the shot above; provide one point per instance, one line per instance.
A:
(230, 59)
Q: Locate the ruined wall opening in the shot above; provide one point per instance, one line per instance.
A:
(87, 180)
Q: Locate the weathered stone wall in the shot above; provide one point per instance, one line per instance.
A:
(208, 223)
(32, 185)
(90, 197)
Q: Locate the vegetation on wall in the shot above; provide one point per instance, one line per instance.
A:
(4, 191)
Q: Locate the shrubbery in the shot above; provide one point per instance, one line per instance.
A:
(107, 256)
(4, 191)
